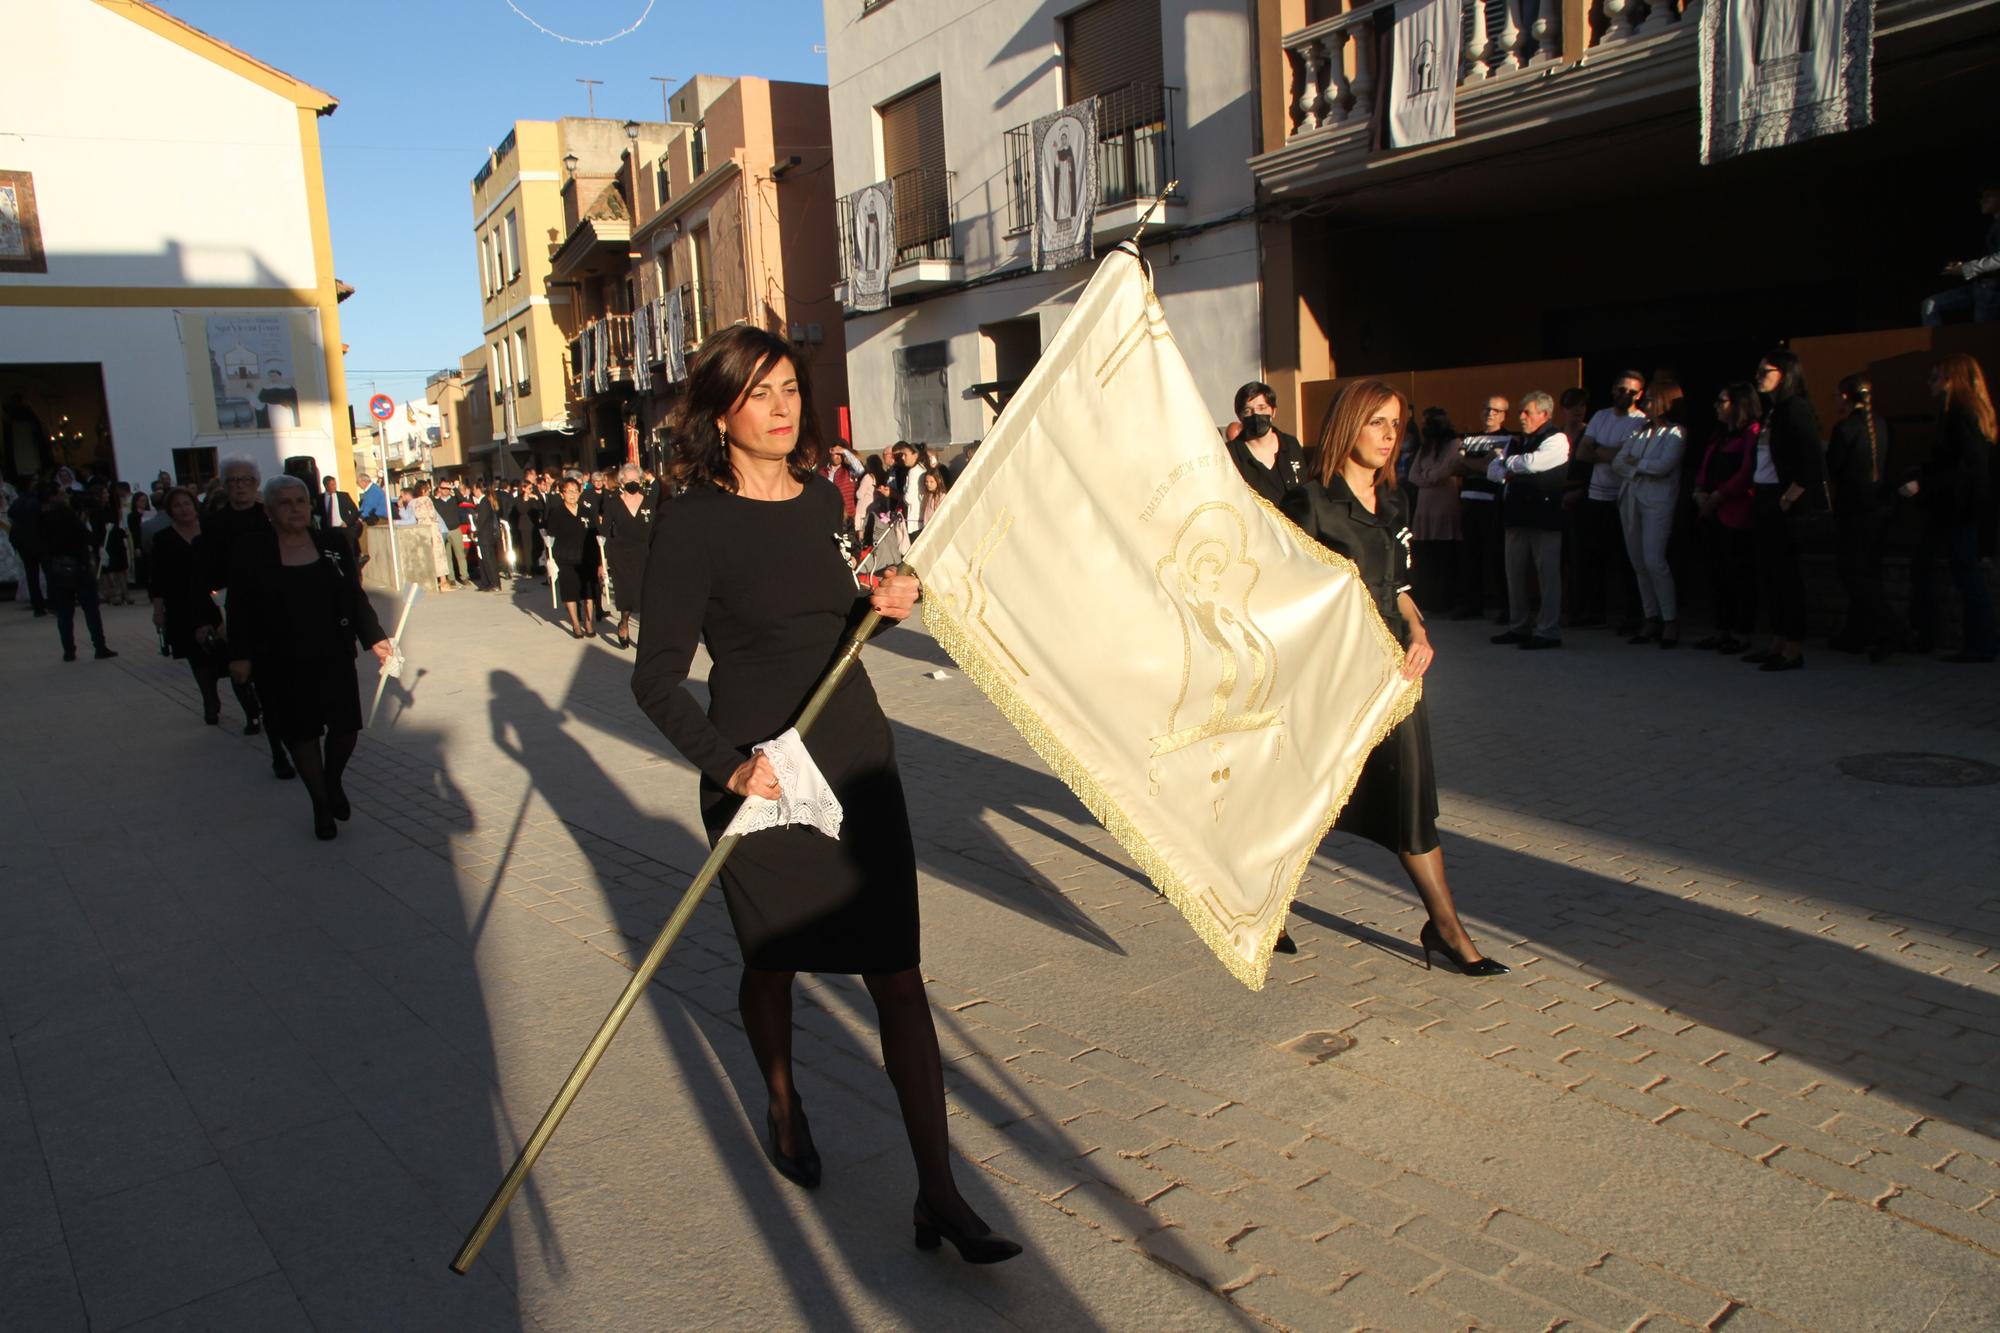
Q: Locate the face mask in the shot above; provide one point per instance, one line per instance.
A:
(633, 488)
(1256, 426)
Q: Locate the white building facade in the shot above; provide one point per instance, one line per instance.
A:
(940, 98)
(167, 295)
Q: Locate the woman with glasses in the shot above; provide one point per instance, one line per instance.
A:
(1723, 518)
(573, 542)
(297, 614)
(1789, 477)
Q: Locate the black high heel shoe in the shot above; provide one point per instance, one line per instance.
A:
(1284, 943)
(801, 1168)
(337, 803)
(986, 1248)
(1434, 943)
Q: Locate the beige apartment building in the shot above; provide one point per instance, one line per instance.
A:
(517, 218)
(675, 229)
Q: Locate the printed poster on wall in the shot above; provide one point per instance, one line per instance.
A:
(874, 246)
(250, 362)
(1066, 185)
(1776, 72)
(1423, 72)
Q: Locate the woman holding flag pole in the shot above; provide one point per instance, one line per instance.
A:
(752, 560)
(1352, 505)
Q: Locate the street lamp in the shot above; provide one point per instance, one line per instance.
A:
(632, 130)
(569, 163)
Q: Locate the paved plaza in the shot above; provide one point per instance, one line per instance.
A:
(1745, 1074)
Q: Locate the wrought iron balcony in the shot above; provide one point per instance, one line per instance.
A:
(926, 253)
(1135, 158)
(600, 355)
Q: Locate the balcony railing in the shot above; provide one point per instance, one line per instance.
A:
(1135, 152)
(925, 212)
(1333, 63)
(601, 354)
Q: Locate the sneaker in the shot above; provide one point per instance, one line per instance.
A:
(1536, 641)
(103, 652)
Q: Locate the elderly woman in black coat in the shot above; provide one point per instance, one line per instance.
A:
(296, 615)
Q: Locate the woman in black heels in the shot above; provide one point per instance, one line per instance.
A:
(296, 615)
(626, 520)
(181, 603)
(573, 543)
(1352, 505)
(750, 558)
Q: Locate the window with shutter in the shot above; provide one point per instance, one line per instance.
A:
(1113, 45)
(913, 156)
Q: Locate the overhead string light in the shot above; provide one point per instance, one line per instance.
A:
(583, 41)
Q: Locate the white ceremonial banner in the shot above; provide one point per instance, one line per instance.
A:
(1776, 72)
(1066, 185)
(1203, 675)
(872, 247)
(1423, 71)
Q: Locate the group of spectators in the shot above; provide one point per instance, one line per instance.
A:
(1581, 519)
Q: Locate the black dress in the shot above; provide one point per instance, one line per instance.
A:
(765, 585)
(179, 582)
(1395, 800)
(300, 627)
(626, 535)
(574, 542)
(1287, 470)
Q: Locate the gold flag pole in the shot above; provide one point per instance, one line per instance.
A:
(475, 1241)
(1146, 218)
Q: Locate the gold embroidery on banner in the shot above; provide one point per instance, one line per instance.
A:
(976, 577)
(1152, 323)
(1209, 579)
(1189, 901)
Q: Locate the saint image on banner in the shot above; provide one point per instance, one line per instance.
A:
(1066, 185)
(872, 247)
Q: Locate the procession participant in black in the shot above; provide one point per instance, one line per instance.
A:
(181, 603)
(750, 560)
(1353, 506)
(574, 541)
(1270, 460)
(69, 562)
(486, 521)
(296, 615)
(240, 515)
(627, 525)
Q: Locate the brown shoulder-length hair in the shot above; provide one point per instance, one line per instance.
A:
(1352, 407)
(1964, 385)
(723, 372)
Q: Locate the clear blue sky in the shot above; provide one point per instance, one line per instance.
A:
(426, 88)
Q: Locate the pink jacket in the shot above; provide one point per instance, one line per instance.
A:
(1726, 474)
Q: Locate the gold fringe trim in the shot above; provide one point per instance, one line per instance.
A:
(998, 686)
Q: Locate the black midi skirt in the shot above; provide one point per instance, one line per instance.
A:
(304, 697)
(1395, 801)
(803, 902)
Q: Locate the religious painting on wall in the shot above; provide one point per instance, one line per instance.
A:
(20, 225)
(250, 364)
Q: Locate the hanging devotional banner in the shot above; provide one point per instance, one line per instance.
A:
(1066, 185)
(872, 245)
(1423, 72)
(677, 366)
(1776, 72)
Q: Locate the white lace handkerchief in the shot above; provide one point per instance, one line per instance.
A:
(804, 797)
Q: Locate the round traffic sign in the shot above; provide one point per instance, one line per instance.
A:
(382, 407)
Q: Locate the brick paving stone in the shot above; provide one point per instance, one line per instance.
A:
(1300, 1260)
(1658, 1289)
(1369, 1251)
(1460, 1247)
(1493, 1306)
(1575, 1294)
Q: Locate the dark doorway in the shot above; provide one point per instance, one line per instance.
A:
(52, 416)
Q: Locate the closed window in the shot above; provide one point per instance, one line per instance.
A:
(923, 410)
(1109, 45)
(913, 157)
(521, 359)
(513, 232)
